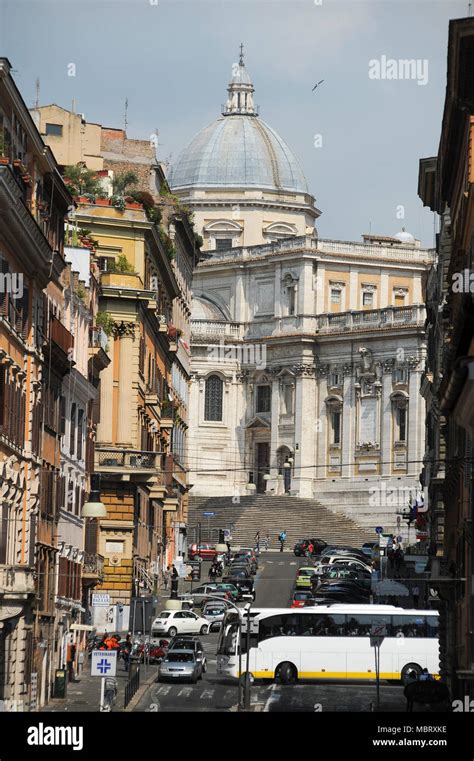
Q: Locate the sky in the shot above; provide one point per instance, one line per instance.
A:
(359, 138)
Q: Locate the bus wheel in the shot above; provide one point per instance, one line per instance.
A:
(287, 673)
(410, 667)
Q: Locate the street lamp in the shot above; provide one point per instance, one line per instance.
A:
(247, 670)
(94, 508)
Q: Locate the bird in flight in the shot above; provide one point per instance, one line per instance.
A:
(317, 85)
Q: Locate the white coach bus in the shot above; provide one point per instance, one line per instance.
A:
(329, 642)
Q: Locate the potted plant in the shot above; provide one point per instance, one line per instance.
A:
(119, 203)
(102, 200)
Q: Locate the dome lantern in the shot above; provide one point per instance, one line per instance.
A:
(240, 90)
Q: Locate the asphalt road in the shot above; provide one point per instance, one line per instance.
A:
(274, 585)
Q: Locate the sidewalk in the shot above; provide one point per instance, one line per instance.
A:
(84, 694)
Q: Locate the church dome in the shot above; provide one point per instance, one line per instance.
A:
(238, 150)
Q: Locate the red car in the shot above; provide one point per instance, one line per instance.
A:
(204, 551)
(300, 598)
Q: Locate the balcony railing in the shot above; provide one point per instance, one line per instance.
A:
(98, 338)
(373, 318)
(16, 580)
(168, 411)
(217, 328)
(93, 565)
(60, 335)
(133, 460)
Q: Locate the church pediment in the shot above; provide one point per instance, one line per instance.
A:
(258, 422)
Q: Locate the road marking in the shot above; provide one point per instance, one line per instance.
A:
(271, 699)
(281, 562)
(269, 561)
(185, 692)
(293, 562)
(164, 689)
(207, 694)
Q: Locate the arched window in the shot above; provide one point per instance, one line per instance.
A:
(213, 400)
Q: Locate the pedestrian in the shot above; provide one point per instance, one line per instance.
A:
(228, 552)
(70, 658)
(166, 577)
(267, 541)
(310, 549)
(416, 595)
(174, 580)
(127, 650)
(257, 541)
(212, 572)
(281, 539)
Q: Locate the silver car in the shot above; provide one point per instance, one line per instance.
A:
(214, 612)
(180, 664)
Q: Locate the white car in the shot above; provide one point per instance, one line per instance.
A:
(172, 622)
(347, 560)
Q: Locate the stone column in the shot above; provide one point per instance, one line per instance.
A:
(348, 421)
(304, 473)
(126, 408)
(386, 435)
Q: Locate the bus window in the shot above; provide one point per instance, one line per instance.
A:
(431, 626)
(228, 642)
(409, 626)
(321, 625)
(358, 625)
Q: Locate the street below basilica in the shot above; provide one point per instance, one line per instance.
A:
(274, 584)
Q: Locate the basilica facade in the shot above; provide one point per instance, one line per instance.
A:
(306, 353)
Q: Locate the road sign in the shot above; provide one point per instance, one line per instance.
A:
(378, 630)
(100, 598)
(104, 663)
(379, 530)
(209, 515)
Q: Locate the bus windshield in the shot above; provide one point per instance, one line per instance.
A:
(228, 640)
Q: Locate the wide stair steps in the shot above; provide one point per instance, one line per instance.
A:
(300, 518)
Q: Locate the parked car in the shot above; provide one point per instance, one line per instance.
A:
(344, 550)
(348, 561)
(242, 579)
(188, 642)
(246, 557)
(300, 598)
(172, 622)
(343, 573)
(203, 551)
(301, 546)
(244, 563)
(214, 612)
(368, 548)
(303, 577)
(180, 664)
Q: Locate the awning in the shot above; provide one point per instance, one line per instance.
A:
(389, 587)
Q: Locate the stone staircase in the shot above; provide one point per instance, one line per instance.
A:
(300, 518)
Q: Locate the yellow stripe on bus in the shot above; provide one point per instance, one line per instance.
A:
(335, 675)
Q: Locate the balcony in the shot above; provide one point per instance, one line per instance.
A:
(128, 461)
(389, 317)
(16, 582)
(98, 348)
(93, 570)
(60, 335)
(168, 414)
(58, 345)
